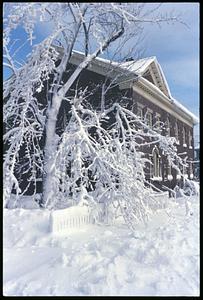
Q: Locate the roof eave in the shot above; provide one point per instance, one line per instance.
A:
(170, 101)
(119, 70)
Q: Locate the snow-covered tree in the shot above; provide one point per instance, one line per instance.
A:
(88, 159)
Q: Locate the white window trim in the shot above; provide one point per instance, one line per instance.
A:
(158, 178)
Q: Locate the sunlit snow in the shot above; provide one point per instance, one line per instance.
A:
(160, 259)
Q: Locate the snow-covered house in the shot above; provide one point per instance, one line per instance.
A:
(144, 89)
(141, 86)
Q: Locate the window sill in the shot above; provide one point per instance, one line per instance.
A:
(156, 178)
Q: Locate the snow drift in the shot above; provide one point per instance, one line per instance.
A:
(159, 259)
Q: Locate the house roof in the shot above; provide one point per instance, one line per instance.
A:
(137, 69)
(133, 70)
(141, 66)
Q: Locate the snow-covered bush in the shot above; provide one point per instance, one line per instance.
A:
(189, 188)
(95, 166)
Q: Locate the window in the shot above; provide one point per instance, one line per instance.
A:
(165, 172)
(158, 121)
(148, 118)
(169, 173)
(184, 137)
(185, 172)
(156, 163)
(197, 154)
(190, 139)
(176, 133)
(191, 168)
(178, 172)
(169, 168)
(150, 164)
(184, 168)
(167, 127)
(140, 110)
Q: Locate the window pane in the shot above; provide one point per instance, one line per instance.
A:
(149, 119)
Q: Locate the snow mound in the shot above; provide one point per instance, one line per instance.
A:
(26, 202)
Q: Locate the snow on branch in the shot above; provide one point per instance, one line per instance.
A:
(98, 157)
(105, 165)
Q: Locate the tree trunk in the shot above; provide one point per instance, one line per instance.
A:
(49, 153)
(51, 140)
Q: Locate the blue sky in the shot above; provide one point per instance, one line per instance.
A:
(177, 50)
(176, 47)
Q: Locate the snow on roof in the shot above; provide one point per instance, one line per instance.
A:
(136, 66)
(139, 67)
(185, 110)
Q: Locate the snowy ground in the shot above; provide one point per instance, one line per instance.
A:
(162, 259)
